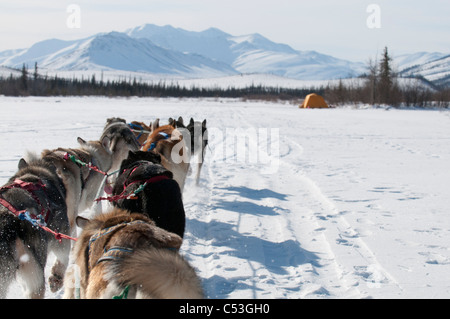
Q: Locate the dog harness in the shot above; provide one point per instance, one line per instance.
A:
(42, 217)
(133, 195)
(39, 220)
(139, 129)
(165, 137)
(98, 242)
(80, 163)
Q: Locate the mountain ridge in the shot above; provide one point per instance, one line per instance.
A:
(177, 52)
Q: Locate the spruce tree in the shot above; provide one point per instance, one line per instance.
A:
(386, 79)
(24, 78)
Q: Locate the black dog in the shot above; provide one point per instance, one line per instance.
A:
(35, 190)
(157, 195)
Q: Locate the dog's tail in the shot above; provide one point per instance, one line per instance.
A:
(161, 274)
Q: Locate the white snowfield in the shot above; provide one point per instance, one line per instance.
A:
(300, 203)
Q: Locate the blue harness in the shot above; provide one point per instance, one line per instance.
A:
(153, 145)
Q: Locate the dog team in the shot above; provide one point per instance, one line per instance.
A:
(129, 251)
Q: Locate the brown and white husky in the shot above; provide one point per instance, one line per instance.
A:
(81, 182)
(168, 142)
(124, 254)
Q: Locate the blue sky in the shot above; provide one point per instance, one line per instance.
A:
(338, 28)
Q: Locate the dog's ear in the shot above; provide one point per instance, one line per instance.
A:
(22, 163)
(82, 222)
(204, 123)
(106, 143)
(180, 119)
(81, 141)
(191, 122)
(154, 125)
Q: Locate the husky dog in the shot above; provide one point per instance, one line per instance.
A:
(37, 190)
(122, 140)
(177, 123)
(140, 131)
(124, 254)
(197, 133)
(199, 141)
(169, 143)
(81, 182)
(160, 199)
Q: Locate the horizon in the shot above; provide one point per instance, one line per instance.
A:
(353, 30)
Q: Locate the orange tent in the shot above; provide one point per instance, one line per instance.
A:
(313, 101)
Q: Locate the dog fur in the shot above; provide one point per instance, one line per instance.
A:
(173, 151)
(122, 140)
(199, 141)
(161, 201)
(153, 268)
(197, 133)
(80, 182)
(23, 247)
(140, 131)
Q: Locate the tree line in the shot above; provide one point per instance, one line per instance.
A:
(379, 86)
(36, 85)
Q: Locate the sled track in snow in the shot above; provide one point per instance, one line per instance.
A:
(356, 209)
(235, 225)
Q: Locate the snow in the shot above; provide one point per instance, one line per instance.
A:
(172, 51)
(293, 203)
(162, 51)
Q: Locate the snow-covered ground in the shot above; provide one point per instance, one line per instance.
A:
(299, 203)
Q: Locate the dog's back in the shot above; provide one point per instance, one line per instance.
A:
(160, 201)
(23, 248)
(160, 274)
(119, 250)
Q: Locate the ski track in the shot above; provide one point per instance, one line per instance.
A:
(315, 227)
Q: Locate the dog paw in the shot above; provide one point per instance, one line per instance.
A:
(55, 282)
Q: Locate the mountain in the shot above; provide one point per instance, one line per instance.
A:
(249, 53)
(165, 51)
(435, 67)
(114, 51)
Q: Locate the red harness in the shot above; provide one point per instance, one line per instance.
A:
(42, 218)
(133, 195)
(30, 188)
(122, 195)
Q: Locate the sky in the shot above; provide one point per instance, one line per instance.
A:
(354, 30)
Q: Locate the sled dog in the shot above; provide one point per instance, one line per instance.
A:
(122, 140)
(81, 182)
(140, 131)
(197, 133)
(199, 141)
(159, 197)
(35, 192)
(124, 255)
(169, 143)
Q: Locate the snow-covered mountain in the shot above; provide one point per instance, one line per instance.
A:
(171, 51)
(114, 51)
(166, 51)
(434, 67)
(250, 53)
